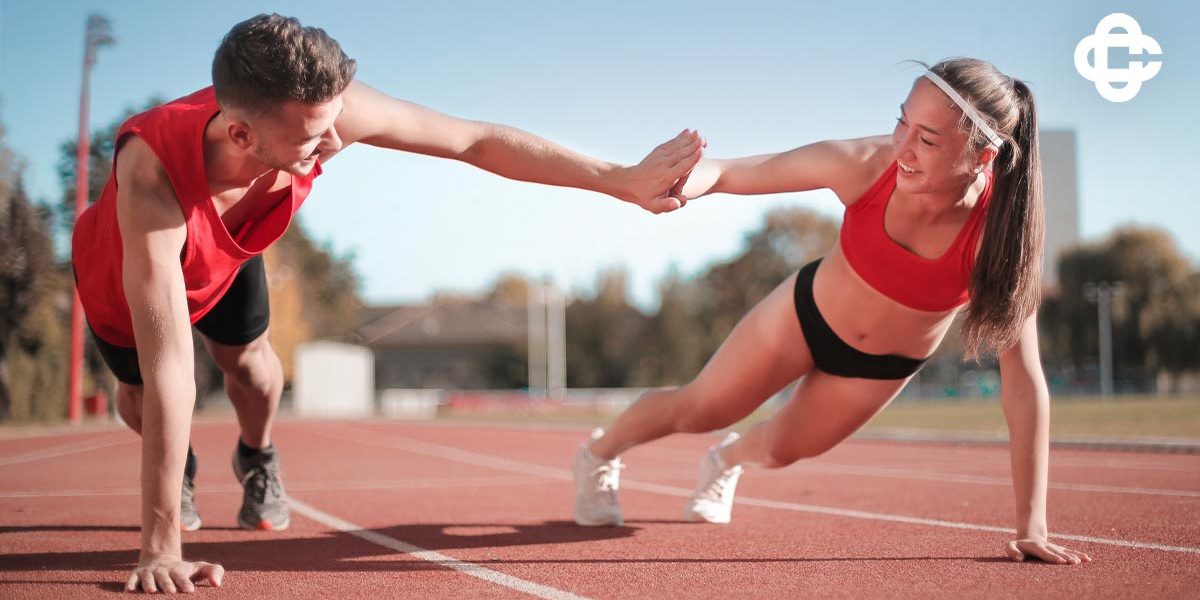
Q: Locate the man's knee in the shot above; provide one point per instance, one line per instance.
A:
(129, 405)
(253, 367)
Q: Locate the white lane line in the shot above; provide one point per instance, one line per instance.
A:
(449, 562)
(322, 486)
(862, 470)
(125, 437)
(840, 468)
(373, 438)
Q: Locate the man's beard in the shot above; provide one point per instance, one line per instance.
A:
(294, 168)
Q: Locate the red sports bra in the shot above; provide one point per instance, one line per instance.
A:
(933, 285)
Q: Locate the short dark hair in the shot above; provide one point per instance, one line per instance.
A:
(270, 59)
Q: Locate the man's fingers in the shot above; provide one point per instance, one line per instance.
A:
(132, 584)
(209, 572)
(148, 585)
(673, 144)
(663, 204)
(686, 162)
(180, 579)
(1014, 552)
(163, 578)
(690, 146)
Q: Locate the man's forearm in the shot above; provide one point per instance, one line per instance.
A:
(166, 419)
(520, 155)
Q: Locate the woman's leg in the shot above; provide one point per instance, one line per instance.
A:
(765, 352)
(823, 411)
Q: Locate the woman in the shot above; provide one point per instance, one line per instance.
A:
(945, 215)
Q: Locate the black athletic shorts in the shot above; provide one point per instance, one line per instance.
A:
(834, 356)
(239, 317)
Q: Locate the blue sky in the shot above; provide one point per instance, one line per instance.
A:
(613, 80)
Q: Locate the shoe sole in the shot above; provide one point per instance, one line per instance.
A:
(692, 516)
(264, 525)
(193, 527)
(583, 523)
(598, 523)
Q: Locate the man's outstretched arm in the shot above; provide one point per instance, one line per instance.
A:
(374, 118)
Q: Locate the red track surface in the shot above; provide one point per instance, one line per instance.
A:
(499, 497)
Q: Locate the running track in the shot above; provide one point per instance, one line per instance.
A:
(383, 509)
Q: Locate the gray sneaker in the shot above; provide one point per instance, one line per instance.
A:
(189, 517)
(264, 502)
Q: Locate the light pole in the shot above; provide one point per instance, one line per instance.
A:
(536, 299)
(547, 339)
(98, 34)
(556, 341)
(1102, 295)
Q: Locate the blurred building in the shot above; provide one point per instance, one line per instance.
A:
(1060, 173)
(450, 343)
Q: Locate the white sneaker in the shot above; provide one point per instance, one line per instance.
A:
(713, 499)
(596, 484)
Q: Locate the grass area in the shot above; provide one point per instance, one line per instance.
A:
(1070, 417)
(1129, 416)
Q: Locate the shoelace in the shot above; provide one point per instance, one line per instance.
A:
(721, 485)
(608, 478)
(189, 490)
(261, 479)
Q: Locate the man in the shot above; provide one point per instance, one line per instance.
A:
(199, 188)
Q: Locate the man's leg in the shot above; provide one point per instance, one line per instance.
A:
(254, 382)
(235, 333)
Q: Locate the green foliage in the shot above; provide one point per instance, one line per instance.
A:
(331, 303)
(1156, 319)
(32, 297)
(35, 363)
(602, 334)
(612, 344)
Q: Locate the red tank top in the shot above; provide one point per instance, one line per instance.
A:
(211, 255)
(934, 285)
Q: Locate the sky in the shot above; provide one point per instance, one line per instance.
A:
(613, 80)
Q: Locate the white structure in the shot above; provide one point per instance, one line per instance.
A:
(334, 380)
(409, 404)
(1060, 178)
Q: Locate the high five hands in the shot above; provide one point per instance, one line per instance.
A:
(655, 183)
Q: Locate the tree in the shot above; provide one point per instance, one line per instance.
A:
(1155, 319)
(30, 328)
(670, 349)
(601, 334)
(509, 288)
(788, 238)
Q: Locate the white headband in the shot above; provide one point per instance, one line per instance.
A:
(967, 109)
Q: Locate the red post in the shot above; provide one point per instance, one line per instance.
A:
(97, 34)
(82, 148)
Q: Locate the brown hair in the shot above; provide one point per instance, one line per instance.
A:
(1006, 280)
(270, 59)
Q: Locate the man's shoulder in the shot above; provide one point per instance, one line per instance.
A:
(144, 186)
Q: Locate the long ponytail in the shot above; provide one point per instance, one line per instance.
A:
(1005, 284)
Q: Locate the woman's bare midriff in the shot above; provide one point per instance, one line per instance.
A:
(869, 321)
